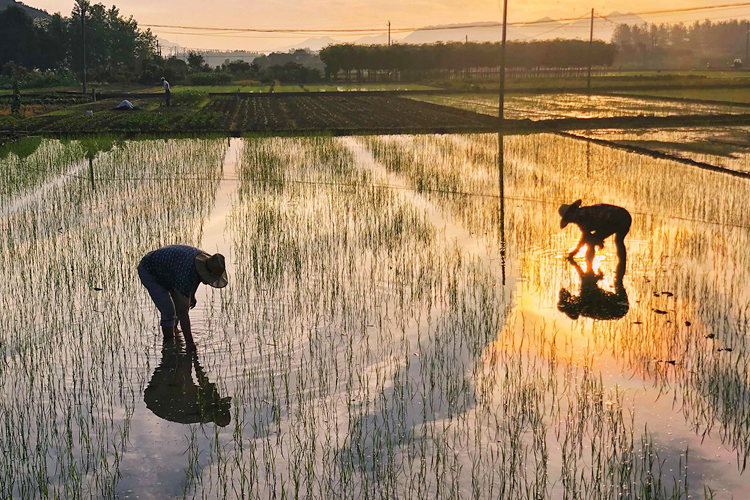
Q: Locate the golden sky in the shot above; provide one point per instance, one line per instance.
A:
(317, 14)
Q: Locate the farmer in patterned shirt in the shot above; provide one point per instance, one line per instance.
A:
(597, 223)
(171, 275)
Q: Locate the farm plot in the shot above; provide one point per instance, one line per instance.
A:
(393, 327)
(551, 106)
(342, 113)
(727, 147)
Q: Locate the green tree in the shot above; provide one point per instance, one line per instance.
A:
(196, 63)
(19, 39)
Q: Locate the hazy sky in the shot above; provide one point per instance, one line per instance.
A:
(316, 14)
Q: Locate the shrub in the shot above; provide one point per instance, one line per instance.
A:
(210, 78)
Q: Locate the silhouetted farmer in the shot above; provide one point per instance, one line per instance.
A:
(597, 223)
(167, 90)
(171, 275)
(172, 395)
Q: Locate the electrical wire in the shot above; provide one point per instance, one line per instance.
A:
(363, 31)
(545, 201)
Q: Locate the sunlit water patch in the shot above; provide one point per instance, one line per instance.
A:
(552, 106)
(727, 147)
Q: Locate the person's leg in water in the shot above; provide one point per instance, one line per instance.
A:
(596, 240)
(162, 299)
(182, 308)
(622, 254)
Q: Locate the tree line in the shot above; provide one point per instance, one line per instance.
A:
(49, 52)
(463, 56)
(701, 44)
(115, 49)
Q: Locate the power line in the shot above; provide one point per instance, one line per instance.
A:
(362, 31)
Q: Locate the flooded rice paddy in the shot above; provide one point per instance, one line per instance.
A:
(727, 147)
(400, 322)
(561, 105)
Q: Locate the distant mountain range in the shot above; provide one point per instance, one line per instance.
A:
(31, 11)
(212, 57)
(542, 29)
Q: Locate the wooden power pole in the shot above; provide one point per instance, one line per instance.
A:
(591, 52)
(501, 111)
(389, 33)
(83, 35)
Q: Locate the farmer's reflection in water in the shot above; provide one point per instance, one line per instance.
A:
(172, 395)
(593, 302)
(596, 222)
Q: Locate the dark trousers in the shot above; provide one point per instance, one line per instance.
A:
(167, 96)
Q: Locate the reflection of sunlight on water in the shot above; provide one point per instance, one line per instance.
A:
(596, 264)
(599, 265)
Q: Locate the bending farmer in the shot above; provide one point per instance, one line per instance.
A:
(597, 223)
(171, 275)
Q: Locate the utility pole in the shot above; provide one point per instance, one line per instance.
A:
(501, 111)
(501, 193)
(746, 61)
(467, 39)
(591, 52)
(389, 33)
(83, 34)
(653, 45)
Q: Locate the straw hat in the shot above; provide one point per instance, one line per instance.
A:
(566, 210)
(211, 269)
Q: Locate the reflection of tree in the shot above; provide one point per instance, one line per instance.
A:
(593, 302)
(172, 395)
(92, 146)
(23, 148)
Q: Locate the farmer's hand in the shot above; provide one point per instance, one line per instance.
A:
(193, 302)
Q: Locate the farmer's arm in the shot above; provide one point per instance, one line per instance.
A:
(182, 306)
(589, 239)
(585, 238)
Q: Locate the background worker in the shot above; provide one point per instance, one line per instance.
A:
(167, 90)
(171, 275)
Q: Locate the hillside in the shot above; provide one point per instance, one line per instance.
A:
(34, 13)
(542, 29)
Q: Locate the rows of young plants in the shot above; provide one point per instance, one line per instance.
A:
(342, 112)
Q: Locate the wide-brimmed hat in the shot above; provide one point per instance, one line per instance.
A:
(211, 269)
(565, 211)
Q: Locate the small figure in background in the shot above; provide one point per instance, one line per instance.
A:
(171, 275)
(597, 223)
(167, 90)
